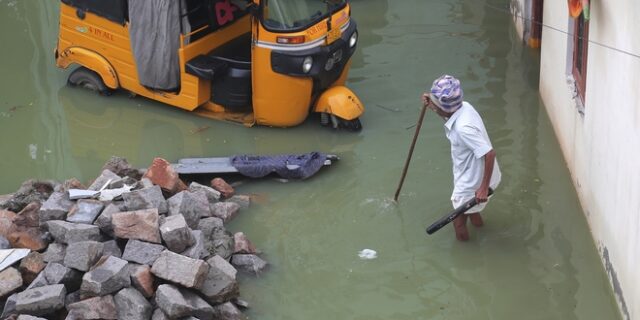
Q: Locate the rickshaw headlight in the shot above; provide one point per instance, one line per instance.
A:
(307, 64)
(353, 40)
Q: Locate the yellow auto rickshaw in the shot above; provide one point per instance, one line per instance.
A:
(266, 62)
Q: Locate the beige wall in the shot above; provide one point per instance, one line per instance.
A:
(602, 145)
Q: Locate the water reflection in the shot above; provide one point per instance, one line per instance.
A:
(371, 18)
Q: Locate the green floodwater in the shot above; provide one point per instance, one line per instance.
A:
(534, 259)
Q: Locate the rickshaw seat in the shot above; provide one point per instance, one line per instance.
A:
(233, 63)
(237, 52)
(206, 67)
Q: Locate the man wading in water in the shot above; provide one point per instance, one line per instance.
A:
(475, 168)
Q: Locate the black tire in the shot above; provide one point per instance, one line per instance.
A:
(339, 123)
(88, 79)
(350, 125)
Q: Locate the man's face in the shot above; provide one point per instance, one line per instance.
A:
(444, 115)
(426, 100)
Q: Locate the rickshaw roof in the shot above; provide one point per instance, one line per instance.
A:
(114, 10)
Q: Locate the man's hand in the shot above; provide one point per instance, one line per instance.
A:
(426, 100)
(482, 194)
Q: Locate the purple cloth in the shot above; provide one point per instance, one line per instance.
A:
(287, 166)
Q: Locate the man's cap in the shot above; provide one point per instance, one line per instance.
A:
(446, 93)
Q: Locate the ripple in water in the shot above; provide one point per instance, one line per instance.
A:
(381, 204)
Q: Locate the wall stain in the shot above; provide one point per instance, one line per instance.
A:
(617, 289)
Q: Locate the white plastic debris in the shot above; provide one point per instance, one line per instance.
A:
(110, 194)
(367, 254)
(75, 194)
(11, 256)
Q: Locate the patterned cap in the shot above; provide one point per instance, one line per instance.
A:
(446, 93)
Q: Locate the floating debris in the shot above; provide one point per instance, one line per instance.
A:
(199, 129)
(33, 151)
(367, 254)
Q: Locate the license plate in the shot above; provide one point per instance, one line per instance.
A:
(333, 35)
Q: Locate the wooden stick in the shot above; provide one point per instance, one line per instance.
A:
(413, 144)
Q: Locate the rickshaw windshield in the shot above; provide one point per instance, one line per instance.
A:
(295, 15)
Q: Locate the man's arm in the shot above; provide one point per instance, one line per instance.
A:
(483, 191)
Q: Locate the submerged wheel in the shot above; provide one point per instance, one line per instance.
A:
(351, 125)
(339, 123)
(88, 79)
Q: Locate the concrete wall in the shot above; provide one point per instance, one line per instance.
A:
(601, 141)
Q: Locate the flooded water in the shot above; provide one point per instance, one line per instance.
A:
(534, 259)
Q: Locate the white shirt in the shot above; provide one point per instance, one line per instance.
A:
(469, 143)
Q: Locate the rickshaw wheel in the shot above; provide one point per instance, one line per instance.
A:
(350, 125)
(88, 79)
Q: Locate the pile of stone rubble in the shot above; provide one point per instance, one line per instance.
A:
(135, 244)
